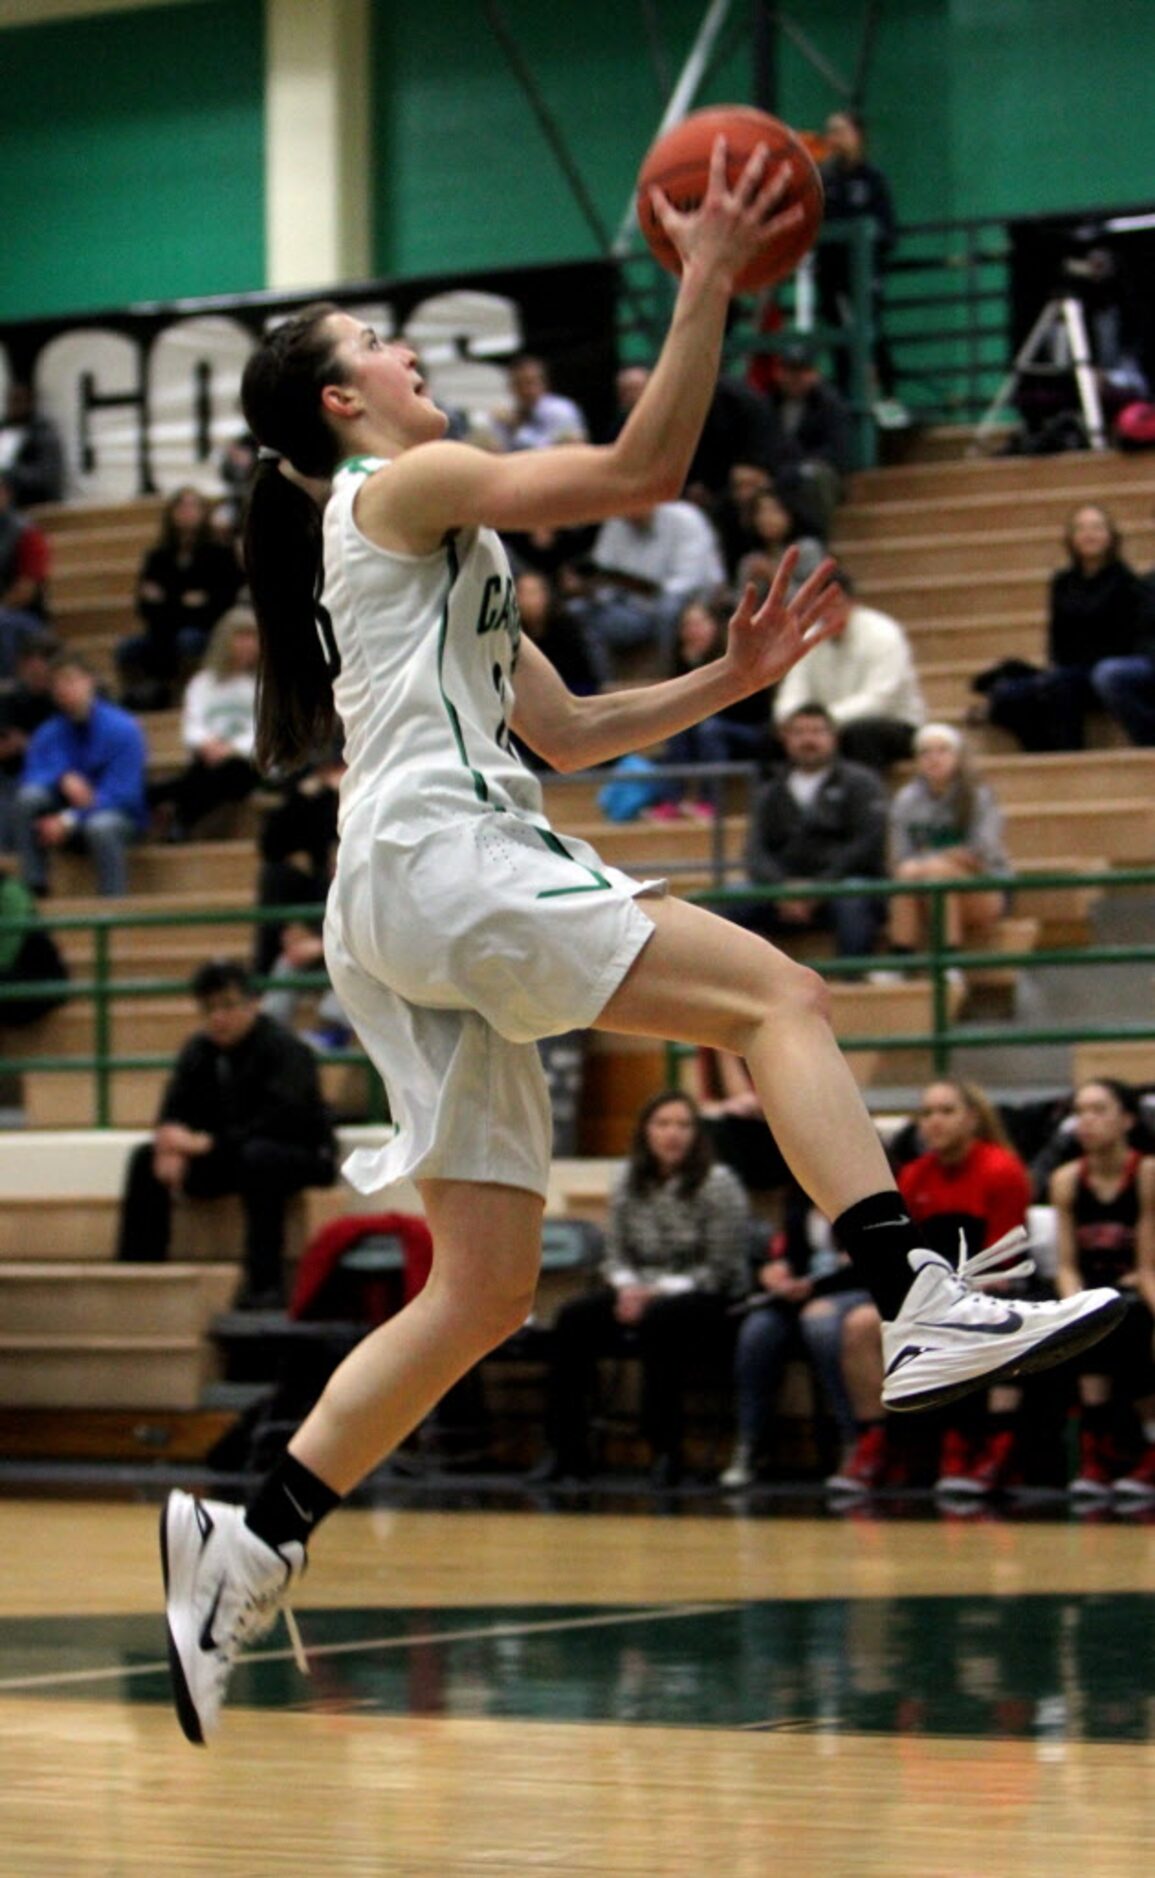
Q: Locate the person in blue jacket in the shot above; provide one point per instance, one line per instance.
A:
(83, 783)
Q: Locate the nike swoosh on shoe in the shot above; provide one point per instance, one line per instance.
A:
(207, 1641)
(1006, 1327)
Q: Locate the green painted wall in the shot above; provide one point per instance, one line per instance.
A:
(977, 107)
(464, 174)
(131, 147)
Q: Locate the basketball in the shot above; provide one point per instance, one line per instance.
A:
(679, 164)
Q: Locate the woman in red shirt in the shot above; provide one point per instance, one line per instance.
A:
(967, 1180)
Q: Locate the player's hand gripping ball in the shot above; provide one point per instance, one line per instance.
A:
(679, 164)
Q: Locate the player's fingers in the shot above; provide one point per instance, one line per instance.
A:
(663, 208)
(747, 606)
(716, 188)
(750, 182)
(780, 585)
(816, 583)
(770, 190)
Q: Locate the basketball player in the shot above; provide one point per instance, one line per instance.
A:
(461, 929)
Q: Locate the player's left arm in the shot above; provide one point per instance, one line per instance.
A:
(1145, 1233)
(763, 643)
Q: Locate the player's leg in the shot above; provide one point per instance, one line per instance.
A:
(227, 1570)
(700, 980)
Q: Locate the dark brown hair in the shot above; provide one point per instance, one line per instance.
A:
(281, 399)
(643, 1173)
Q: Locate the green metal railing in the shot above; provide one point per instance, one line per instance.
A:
(944, 1037)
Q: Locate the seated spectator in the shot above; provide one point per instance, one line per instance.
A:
(733, 513)
(538, 417)
(737, 734)
(31, 456)
(803, 1294)
(302, 951)
(675, 1259)
(944, 825)
(1096, 608)
(27, 957)
(813, 449)
(644, 569)
(298, 847)
(24, 564)
(554, 552)
(817, 818)
(22, 710)
(727, 1100)
(242, 1113)
(775, 528)
(217, 728)
(83, 783)
(864, 674)
(555, 632)
(1125, 683)
(1105, 1207)
(969, 1180)
(739, 428)
(186, 582)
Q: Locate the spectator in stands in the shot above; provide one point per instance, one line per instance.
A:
(186, 582)
(1125, 683)
(22, 711)
(968, 1179)
(1105, 1207)
(31, 456)
(242, 1114)
(864, 674)
(739, 428)
(857, 190)
(676, 1246)
(738, 734)
(24, 564)
(944, 825)
(83, 783)
(538, 417)
(817, 818)
(776, 527)
(733, 512)
(555, 632)
(727, 1100)
(27, 956)
(1096, 620)
(814, 448)
(217, 728)
(804, 1292)
(644, 568)
(298, 847)
(303, 951)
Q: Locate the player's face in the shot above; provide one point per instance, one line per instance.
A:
(393, 398)
(1100, 1120)
(944, 1120)
(670, 1134)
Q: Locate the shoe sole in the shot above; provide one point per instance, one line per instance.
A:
(181, 1694)
(1067, 1341)
(1135, 1489)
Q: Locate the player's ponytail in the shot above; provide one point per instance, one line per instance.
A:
(280, 396)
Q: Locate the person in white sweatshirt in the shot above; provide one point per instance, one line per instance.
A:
(864, 677)
(217, 727)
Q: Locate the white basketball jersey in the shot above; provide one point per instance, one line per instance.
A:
(425, 648)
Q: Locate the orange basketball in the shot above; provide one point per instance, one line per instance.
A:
(679, 164)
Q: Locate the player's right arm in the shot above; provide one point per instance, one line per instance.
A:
(435, 487)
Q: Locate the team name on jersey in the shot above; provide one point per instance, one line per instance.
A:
(498, 609)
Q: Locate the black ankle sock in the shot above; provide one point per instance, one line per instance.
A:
(1098, 1418)
(878, 1232)
(289, 1504)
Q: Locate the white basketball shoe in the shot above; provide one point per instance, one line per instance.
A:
(949, 1337)
(224, 1588)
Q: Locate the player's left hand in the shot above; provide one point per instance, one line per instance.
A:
(765, 641)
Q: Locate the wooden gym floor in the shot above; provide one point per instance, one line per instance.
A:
(501, 1693)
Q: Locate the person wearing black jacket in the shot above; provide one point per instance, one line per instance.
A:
(1096, 622)
(243, 1114)
(854, 189)
(187, 581)
(819, 818)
